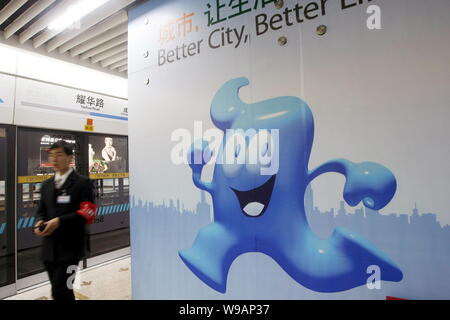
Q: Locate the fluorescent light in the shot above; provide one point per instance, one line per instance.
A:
(75, 13)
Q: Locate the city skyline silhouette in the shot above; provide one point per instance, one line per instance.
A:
(416, 242)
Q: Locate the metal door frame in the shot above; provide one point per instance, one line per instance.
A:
(11, 198)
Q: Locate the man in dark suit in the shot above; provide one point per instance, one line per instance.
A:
(67, 204)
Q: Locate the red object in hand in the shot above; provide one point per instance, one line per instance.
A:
(87, 211)
(394, 298)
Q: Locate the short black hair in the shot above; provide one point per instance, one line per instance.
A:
(67, 147)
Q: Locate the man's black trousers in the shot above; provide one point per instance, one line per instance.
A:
(59, 273)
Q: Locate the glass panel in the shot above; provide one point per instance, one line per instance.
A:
(108, 157)
(33, 168)
(2, 195)
(7, 237)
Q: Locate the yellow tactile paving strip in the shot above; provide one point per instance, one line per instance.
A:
(80, 296)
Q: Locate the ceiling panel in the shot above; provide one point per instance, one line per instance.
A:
(100, 37)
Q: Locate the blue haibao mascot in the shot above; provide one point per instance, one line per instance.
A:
(265, 213)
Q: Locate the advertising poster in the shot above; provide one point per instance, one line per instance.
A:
(289, 149)
(107, 154)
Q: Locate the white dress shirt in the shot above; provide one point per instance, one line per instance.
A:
(61, 179)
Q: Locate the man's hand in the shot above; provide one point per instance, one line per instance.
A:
(36, 228)
(51, 226)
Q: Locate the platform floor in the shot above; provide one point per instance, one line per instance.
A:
(107, 281)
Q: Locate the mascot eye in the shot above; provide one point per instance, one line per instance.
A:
(237, 150)
(260, 148)
(265, 149)
(234, 154)
(259, 152)
(234, 148)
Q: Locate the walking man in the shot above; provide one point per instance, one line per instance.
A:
(66, 206)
